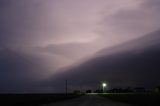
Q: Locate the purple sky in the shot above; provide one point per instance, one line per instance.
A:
(54, 34)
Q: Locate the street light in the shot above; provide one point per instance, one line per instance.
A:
(104, 85)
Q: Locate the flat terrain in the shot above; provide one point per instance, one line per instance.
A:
(88, 100)
(104, 99)
(33, 99)
(138, 99)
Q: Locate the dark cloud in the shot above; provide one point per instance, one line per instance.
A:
(35, 22)
(38, 37)
(19, 72)
(26, 22)
(152, 4)
(16, 19)
(129, 23)
(125, 67)
(3, 3)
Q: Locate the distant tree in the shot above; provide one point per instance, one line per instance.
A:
(157, 89)
(128, 89)
(88, 91)
(139, 89)
(76, 91)
(98, 91)
(120, 90)
(116, 90)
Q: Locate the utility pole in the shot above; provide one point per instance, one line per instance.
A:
(66, 87)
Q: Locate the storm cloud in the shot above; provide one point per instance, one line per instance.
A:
(125, 65)
(40, 39)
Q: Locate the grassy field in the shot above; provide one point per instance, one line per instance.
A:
(33, 99)
(139, 99)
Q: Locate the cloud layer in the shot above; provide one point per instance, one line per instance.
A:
(54, 34)
(122, 67)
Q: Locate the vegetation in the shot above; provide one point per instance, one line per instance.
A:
(139, 99)
(33, 99)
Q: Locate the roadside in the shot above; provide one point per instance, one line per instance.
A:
(138, 99)
(33, 99)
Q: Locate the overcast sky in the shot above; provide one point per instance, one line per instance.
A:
(53, 34)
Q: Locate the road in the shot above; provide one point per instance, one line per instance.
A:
(88, 100)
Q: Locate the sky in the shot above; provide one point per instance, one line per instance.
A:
(43, 39)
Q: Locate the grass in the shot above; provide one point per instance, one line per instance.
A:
(139, 99)
(33, 99)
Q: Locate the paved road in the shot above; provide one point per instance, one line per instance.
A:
(88, 100)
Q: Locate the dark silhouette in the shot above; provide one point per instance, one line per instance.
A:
(120, 90)
(98, 91)
(88, 91)
(139, 90)
(76, 92)
(157, 89)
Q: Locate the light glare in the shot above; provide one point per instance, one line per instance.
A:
(104, 84)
